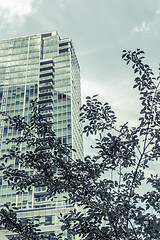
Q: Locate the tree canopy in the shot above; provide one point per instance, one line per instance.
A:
(107, 186)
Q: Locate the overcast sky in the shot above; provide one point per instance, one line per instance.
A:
(100, 30)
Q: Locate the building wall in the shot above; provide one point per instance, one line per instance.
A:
(40, 66)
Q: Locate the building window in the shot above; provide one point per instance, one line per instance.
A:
(48, 220)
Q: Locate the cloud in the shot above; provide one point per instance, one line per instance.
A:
(14, 13)
(144, 27)
(158, 11)
(60, 4)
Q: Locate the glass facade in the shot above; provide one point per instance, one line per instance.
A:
(40, 66)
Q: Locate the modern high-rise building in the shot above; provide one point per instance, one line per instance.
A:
(42, 66)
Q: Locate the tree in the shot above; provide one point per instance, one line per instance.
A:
(108, 185)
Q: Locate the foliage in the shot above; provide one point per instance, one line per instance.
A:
(109, 185)
(28, 230)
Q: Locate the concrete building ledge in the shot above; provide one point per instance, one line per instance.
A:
(2, 237)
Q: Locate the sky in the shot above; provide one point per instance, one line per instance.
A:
(100, 30)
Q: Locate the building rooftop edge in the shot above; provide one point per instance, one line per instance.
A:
(55, 32)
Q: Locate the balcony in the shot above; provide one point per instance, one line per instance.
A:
(47, 79)
(46, 73)
(44, 94)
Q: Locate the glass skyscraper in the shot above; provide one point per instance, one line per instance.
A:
(42, 66)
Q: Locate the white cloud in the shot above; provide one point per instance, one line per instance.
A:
(144, 27)
(14, 12)
(60, 3)
(158, 11)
